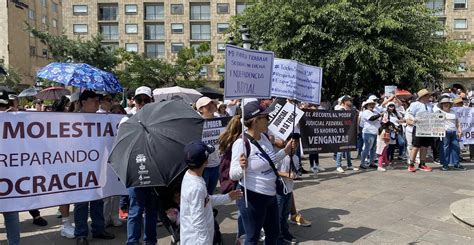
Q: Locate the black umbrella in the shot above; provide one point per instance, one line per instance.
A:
(149, 147)
(211, 93)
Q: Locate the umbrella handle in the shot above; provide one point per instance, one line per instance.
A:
(245, 151)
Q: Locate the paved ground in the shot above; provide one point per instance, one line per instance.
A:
(365, 207)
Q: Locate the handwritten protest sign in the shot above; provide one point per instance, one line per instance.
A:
(390, 90)
(465, 116)
(49, 159)
(213, 128)
(292, 79)
(281, 119)
(328, 131)
(429, 124)
(248, 73)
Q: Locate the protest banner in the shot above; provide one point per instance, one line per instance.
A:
(390, 90)
(328, 131)
(282, 117)
(430, 124)
(212, 129)
(295, 80)
(465, 116)
(52, 158)
(248, 73)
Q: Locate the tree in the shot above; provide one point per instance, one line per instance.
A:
(189, 63)
(361, 45)
(11, 79)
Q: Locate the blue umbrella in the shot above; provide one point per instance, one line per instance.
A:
(80, 75)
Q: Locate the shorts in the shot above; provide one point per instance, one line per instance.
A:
(421, 141)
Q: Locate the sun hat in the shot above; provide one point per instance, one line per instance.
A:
(422, 93)
(203, 101)
(369, 101)
(457, 100)
(143, 90)
(373, 97)
(445, 100)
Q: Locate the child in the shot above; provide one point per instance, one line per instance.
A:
(196, 216)
(383, 140)
(287, 170)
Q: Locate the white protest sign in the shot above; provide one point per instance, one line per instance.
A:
(429, 124)
(295, 80)
(52, 158)
(213, 128)
(282, 124)
(390, 90)
(465, 116)
(248, 73)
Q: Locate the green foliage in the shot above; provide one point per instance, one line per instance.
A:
(361, 45)
(11, 80)
(189, 64)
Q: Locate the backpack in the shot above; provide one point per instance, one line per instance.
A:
(226, 183)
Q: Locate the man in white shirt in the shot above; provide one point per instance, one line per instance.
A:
(196, 217)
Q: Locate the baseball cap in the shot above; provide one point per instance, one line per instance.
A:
(346, 98)
(203, 101)
(196, 153)
(253, 109)
(143, 90)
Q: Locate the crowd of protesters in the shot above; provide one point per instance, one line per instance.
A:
(386, 128)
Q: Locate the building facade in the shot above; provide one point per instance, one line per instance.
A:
(158, 29)
(20, 51)
(458, 18)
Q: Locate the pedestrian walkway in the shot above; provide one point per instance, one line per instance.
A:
(364, 207)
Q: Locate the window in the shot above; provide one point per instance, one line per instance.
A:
(54, 23)
(177, 9)
(109, 32)
(107, 12)
(200, 31)
(221, 47)
(203, 71)
(154, 12)
(80, 28)
(131, 9)
(176, 47)
(31, 14)
(131, 28)
(461, 40)
(32, 35)
(177, 28)
(55, 7)
(32, 51)
(195, 46)
(111, 46)
(79, 9)
(154, 31)
(154, 50)
(45, 53)
(462, 66)
(437, 6)
(43, 3)
(131, 47)
(44, 20)
(460, 4)
(200, 11)
(460, 24)
(240, 7)
(222, 8)
(441, 32)
(221, 70)
(222, 27)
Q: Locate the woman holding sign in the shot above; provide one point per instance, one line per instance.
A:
(450, 144)
(262, 210)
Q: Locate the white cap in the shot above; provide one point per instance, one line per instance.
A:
(143, 90)
(203, 101)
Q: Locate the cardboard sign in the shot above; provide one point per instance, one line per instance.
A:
(295, 80)
(430, 124)
(390, 90)
(465, 116)
(52, 158)
(281, 120)
(248, 73)
(328, 131)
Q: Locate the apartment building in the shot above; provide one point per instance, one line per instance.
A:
(458, 18)
(19, 50)
(158, 29)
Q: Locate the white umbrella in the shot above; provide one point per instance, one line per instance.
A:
(188, 95)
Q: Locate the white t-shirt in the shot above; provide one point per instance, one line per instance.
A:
(230, 108)
(260, 177)
(369, 127)
(196, 217)
(284, 166)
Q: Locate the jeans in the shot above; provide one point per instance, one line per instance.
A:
(262, 211)
(370, 146)
(81, 213)
(339, 156)
(12, 225)
(314, 160)
(111, 209)
(211, 176)
(450, 149)
(284, 208)
(142, 199)
(401, 147)
(360, 143)
(124, 202)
